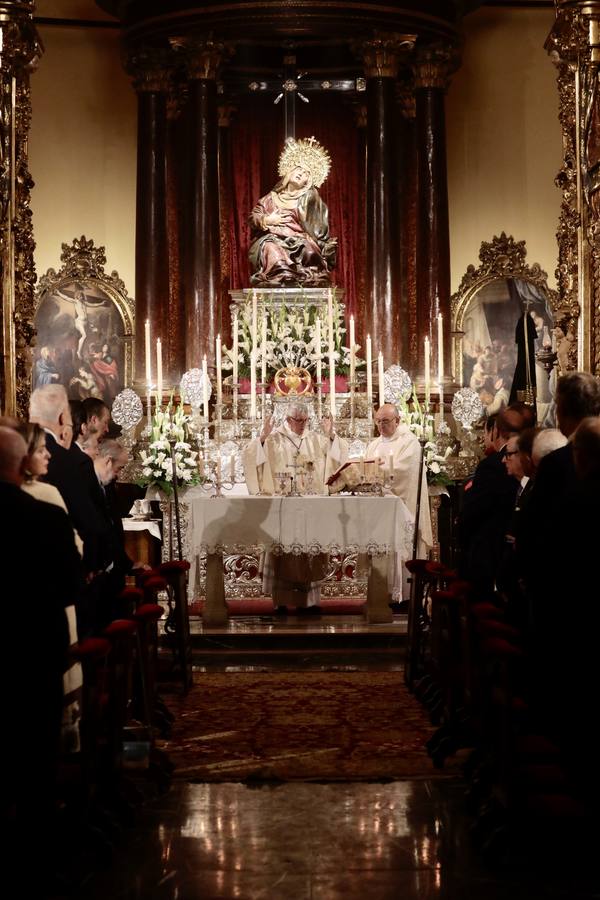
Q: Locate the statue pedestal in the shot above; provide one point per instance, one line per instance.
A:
(289, 297)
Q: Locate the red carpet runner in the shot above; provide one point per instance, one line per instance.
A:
(263, 606)
(312, 725)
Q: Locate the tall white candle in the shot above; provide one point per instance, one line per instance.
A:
(254, 320)
(318, 350)
(330, 338)
(332, 385)
(380, 378)
(369, 373)
(253, 384)
(148, 354)
(263, 350)
(236, 348)
(352, 351)
(440, 342)
(219, 370)
(205, 386)
(427, 357)
(159, 378)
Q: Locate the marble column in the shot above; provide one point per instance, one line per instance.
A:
(201, 265)
(150, 76)
(407, 188)
(381, 59)
(226, 111)
(432, 70)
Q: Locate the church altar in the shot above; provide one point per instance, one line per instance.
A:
(375, 526)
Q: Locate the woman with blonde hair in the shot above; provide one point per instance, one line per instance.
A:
(36, 466)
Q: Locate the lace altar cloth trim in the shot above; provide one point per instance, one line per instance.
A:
(311, 549)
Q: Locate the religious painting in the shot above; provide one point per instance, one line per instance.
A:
(504, 314)
(491, 335)
(83, 334)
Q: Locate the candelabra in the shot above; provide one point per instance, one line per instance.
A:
(216, 478)
(352, 385)
(236, 387)
(148, 429)
(319, 387)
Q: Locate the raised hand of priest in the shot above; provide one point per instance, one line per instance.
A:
(267, 428)
(328, 427)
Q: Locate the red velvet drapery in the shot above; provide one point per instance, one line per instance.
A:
(256, 140)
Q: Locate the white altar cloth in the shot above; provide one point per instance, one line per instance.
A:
(376, 526)
(373, 525)
(150, 525)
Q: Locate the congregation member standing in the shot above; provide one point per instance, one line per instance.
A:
(38, 543)
(488, 504)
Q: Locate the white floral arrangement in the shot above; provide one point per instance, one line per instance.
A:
(291, 339)
(169, 427)
(422, 423)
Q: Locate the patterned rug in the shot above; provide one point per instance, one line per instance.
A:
(350, 726)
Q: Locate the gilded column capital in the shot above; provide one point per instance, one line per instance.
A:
(435, 65)
(202, 58)
(382, 55)
(150, 70)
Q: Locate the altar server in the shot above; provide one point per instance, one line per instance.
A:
(399, 451)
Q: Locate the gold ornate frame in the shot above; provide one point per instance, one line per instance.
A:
(502, 257)
(82, 262)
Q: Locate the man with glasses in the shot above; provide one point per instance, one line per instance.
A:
(282, 455)
(293, 449)
(399, 453)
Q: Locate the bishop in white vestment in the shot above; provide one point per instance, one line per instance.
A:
(309, 456)
(399, 452)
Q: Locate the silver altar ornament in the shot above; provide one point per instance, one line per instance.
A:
(127, 410)
(397, 385)
(467, 407)
(231, 461)
(357, 450)
(192, 387)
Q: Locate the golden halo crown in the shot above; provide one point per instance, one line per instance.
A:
(308, 153)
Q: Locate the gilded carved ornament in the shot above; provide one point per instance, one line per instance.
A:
(83, 263)
(501, 258)
(574, 48)
(202, 58)
(382, 55)
(150, 69)
(433, 66)
(20, 50)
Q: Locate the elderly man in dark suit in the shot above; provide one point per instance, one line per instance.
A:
(72, 472)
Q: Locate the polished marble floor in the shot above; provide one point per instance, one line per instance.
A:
(397, 841)
(309, 625)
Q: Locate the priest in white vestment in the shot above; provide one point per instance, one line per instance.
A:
(399, 451)
(293, 580)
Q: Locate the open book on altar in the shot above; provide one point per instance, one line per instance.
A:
(354, 473)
